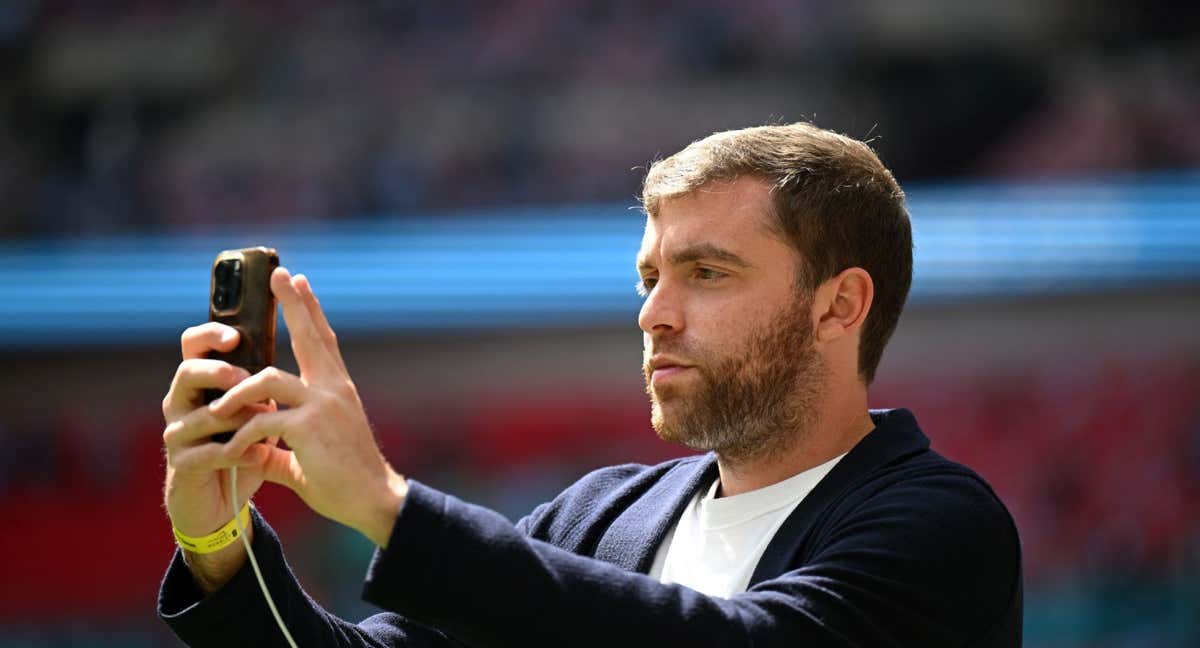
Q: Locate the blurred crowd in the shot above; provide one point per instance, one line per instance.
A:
(144, 114)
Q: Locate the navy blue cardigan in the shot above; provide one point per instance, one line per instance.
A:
(895, 546)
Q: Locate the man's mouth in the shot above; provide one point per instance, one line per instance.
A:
(664, 368)
(665, 372)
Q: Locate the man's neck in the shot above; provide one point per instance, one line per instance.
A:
(830, 436)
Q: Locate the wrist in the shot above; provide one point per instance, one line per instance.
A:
(212, 570)
(386, 507)
(219, 539)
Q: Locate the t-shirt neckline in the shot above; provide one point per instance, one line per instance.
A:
(715, 513)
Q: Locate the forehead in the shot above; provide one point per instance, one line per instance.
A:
(735, 215)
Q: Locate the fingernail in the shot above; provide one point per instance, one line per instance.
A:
(228, 335)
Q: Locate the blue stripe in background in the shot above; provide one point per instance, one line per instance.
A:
(563, 266)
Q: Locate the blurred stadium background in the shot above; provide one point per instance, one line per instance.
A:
(456, 178)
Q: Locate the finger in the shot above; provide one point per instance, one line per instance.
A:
(319, 320)
(197, 341)
(263, 426)
(314, 360)
(253, 457)
(270, 459)
(272, 406)
(282, 468)
(278, 466)
(203, 458)
(198, 425)
(270, 383)
(192, 377)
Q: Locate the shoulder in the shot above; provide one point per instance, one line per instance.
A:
(600, 494)
(948, 496)
(930, 500)
(938, 524)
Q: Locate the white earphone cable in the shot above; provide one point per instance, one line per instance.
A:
(254, 563)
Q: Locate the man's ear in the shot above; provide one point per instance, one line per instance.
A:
(842, 303)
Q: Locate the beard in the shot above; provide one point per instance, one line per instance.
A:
(747, 405)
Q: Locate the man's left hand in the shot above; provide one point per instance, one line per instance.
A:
(334, 463)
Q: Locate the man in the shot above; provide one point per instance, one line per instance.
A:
(775, 264)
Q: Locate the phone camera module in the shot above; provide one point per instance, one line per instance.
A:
(227, 284)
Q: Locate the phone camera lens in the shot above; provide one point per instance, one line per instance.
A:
(227, 284)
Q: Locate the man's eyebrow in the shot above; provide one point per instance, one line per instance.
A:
(698, 252)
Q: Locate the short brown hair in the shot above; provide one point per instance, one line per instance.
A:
(834, 201)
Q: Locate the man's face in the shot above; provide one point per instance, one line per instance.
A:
(729, 359)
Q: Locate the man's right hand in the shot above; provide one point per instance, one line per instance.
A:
(197, 482)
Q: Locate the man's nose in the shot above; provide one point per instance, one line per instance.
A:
(662, 312)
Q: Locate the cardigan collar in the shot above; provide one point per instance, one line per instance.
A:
(635, 535)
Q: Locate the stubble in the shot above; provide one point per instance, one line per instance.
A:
(748, 405)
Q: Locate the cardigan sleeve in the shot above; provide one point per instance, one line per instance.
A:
(237, 614)
(931, 562)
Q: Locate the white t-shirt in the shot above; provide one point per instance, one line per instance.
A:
(716, 543)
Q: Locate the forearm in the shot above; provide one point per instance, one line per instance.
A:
(236, 614)
(471, 574)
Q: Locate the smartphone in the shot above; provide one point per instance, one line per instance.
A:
(240, 295)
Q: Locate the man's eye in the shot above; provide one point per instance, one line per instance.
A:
(708, 274)
(644, 286)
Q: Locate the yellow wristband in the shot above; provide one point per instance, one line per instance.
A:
(217, 540)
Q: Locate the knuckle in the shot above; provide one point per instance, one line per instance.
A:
(172, 431)
(196, 341)
(180, 372)
(232, 374)
(186, 370)
(190, 340)
(187, 373)
(327, 398)
(346, 389)
(187, 460)
(190, 333)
